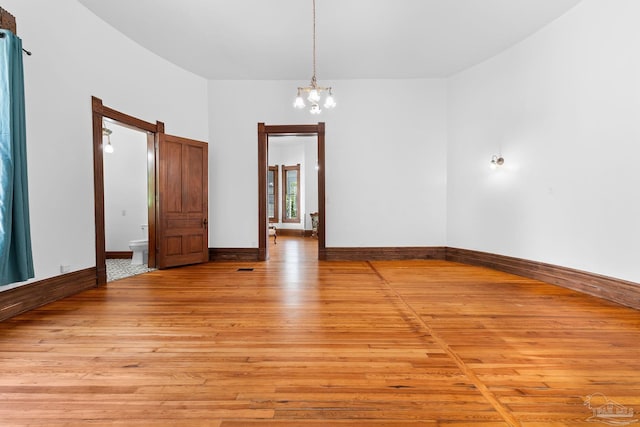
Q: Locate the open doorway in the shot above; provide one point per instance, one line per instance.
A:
(125, 201)
(265, 132)
(177, 177)
(292, 197)
(101, 113)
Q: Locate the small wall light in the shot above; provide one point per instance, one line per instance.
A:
(107, 132)
(496, 161)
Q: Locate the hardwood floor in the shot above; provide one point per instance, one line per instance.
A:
(297, 342)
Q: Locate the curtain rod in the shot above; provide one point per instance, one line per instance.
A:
(23, 49)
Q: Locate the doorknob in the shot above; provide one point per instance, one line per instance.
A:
(204, 222)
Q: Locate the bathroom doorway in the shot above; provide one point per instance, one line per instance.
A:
(177, 170)
(126, 214)
(102, 115)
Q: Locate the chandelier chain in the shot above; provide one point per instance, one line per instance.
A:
(313, 78)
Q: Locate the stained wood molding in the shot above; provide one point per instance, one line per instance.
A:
(234, 254)
(119, 254)
(33, 295)
(609, 288)
(384, 253)
(8, 21)
(293, 232)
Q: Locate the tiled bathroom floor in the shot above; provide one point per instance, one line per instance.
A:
(121, 268)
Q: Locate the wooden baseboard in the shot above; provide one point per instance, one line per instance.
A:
(384, 253)
(119, 255)
(609, 288)
(234, 254)
(33, 295)
(293, 232)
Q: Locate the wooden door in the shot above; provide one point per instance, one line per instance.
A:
(182, 235)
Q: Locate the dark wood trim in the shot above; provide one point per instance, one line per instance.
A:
(264, 132)
(276, 193)
(98, 189)
(294, 232)
(119, 254)
(609, 288)
(8, 21)
(263, 167)
(322, 225)
(153, 215)
(99, 113)
(234, 254)
(291, 130)
(385, 253)
(129, 121)
(33, 295)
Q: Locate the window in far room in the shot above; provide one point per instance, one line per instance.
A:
(272, 194)
(291, 193)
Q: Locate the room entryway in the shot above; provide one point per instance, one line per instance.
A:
(177, 193)
(294, 221)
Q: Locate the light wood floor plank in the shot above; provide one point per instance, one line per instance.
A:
(297, 342)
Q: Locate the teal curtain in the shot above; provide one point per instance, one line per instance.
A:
(16, 261)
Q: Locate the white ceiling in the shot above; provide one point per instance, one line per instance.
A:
(356, 39)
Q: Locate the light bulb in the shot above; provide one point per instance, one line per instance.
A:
(108, 148)
(315, 109)
(496, 161)
(314, 96)
(299, 103)
(329, 102)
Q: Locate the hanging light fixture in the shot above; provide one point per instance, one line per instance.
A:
(314, 91)
(108, 148)
(496, 161)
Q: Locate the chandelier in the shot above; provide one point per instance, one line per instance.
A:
(313, 91)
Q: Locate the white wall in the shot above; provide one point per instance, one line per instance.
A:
(75, 56)
(564, 109)
(125, 188)
(385, 159)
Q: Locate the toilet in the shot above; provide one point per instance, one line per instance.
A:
(140, 249)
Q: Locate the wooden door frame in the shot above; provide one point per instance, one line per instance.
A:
(264, 131)
(99, 113)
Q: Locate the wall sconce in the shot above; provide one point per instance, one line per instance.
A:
(496, 161)
(107, 132)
